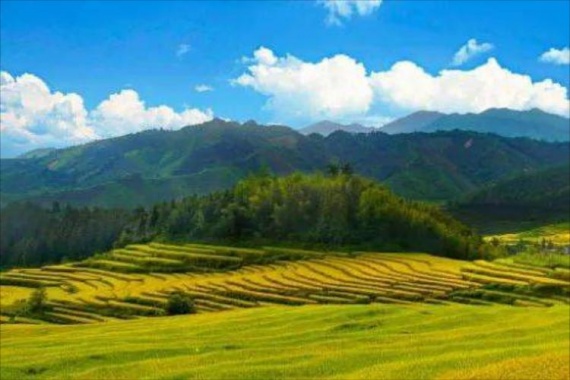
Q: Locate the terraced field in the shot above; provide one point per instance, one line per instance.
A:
(136, 282)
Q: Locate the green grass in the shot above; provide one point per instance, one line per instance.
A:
(334, 342)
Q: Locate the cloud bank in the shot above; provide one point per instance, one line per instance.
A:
(339, 87)
(33, 116)
(339, 10)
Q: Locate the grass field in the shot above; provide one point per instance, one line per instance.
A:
(377, 341)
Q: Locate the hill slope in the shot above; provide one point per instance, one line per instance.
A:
(536, 197)
(125, 171)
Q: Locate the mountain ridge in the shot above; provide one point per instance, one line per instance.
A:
(199, 159)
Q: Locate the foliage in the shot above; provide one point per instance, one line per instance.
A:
(330, 211)
(37, 301)
(179, 303)
(33, 235)
(536, 197)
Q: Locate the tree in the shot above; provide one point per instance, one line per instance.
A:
(179, 303)
(37, 301)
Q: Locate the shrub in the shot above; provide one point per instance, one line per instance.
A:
(179, 303)
(37, 301)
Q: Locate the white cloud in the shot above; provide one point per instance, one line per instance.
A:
(32, 116)
(340, 88)
(408, 86)
(203, 88)
(556, 56)
(182, 50)
(125, 112)
(333, 87)
(470, 50)
(345, 9)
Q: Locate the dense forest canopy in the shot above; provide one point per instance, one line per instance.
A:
(337, 210)
(32, 235)
(332, 210)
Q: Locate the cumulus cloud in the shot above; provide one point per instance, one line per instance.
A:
(408, 86)
(470, 50)
(125, 112)
(556, 56)
(334, 87)
(203, 88)
(182, 49)
(345, 9)
(33, 116)
(340, 88)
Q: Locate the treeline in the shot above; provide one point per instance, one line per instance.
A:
(335, 210)
(31, 235)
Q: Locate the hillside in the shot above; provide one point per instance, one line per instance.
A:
(323, 342)
(127, 171)
(534, 124)
(337, 211)
(326, 127)
(531, 199)
(262, 311)
(138, 280)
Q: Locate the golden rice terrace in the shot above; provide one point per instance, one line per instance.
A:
(137, 280)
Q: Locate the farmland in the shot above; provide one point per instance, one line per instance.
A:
(286, 313)
(416, 341)
(137, 280)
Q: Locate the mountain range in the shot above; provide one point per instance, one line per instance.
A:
(159, 165)
(327, 127)
(534, 124)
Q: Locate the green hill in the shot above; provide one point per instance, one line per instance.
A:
(336, 211)
(150, 166)
(534, 198)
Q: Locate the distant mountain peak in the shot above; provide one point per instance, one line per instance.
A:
(326, 127)
(533, 123)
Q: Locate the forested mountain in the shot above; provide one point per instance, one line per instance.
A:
(336, 211)
(156, 165)
(534, 124)
(326, 127)
(540, 197)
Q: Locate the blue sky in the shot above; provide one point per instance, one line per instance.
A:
(348, 62)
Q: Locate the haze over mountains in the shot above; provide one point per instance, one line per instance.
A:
(327, 127)
(159, 165)
(534, 123)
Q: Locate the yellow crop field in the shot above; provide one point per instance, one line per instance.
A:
(98, 289)
(377, 341)
(286, 314)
